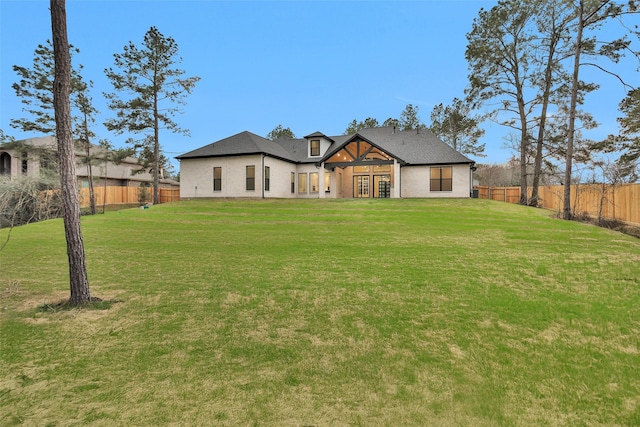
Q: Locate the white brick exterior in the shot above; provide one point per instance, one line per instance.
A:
(196, 179)
(380, 162)
(415, 182)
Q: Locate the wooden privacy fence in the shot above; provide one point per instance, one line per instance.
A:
(127, 195)
(503, 194)
(621, 202)
(166, 195)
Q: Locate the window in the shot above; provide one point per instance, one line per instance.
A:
(217, 179)
(314, 149)
(267, 177)
(313, 182)
(293, 182)
(5, 164)
(251, 178)
(302, 183)
(382, 168)
(25, 164)
(441, 178)
(327, 182)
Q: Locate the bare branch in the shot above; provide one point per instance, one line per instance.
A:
(625, 84)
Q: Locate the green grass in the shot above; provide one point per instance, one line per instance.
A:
(324, 313)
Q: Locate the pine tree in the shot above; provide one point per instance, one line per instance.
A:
(78, 279)
(147, 87)
(35, 88)
(455, 126)
(280, 132)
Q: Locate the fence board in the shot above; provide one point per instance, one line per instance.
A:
(167, 195)
(125, 195)
(621, 202)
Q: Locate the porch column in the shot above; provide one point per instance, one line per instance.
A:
(15, 164)
(396, 180)
(321, 193)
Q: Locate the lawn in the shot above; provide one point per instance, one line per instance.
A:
(324, 313)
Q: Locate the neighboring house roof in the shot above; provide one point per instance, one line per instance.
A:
(125, 169)
(50, 143)
(409, 147)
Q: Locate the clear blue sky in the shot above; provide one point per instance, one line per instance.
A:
(308, 65)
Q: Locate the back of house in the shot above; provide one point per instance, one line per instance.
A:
(374, 163)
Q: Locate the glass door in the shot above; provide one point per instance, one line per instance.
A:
(382, 186)
(361, 186)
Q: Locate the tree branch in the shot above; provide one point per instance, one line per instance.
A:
(625, 84)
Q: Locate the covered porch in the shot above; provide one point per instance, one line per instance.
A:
(360, 169)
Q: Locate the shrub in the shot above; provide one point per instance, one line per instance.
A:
(27, 200)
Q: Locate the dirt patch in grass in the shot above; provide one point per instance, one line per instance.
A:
(55, 306)
(96, 303)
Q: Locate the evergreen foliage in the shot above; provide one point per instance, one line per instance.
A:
(148, 90)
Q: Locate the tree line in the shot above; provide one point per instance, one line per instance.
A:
(148, 90)
(526, 60)
(454, 124)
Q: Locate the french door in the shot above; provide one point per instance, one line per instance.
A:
(382, 186)
(361, 186)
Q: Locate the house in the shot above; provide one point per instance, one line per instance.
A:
(376, 162)
(34, 157)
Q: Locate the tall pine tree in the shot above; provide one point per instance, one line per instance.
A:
(455, 126)
(78, 279)
(147, 89)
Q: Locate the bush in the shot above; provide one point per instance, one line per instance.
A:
(143, 195)
(27, 200)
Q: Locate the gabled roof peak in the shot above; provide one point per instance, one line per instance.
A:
(318, 134)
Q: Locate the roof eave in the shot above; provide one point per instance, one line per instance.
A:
(440, 163)
(210, 156)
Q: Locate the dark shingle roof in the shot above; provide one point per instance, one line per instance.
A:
(409, 147)
(318, 135)
(241, 143)
(297, 149)
(413, 147)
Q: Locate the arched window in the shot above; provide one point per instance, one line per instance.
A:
(5, 164)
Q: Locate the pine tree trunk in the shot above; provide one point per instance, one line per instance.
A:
(566, 211)
(78, 280)
(537, 166)
(156, 151)
(524, 142)
(92, 194)
(554, 40)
